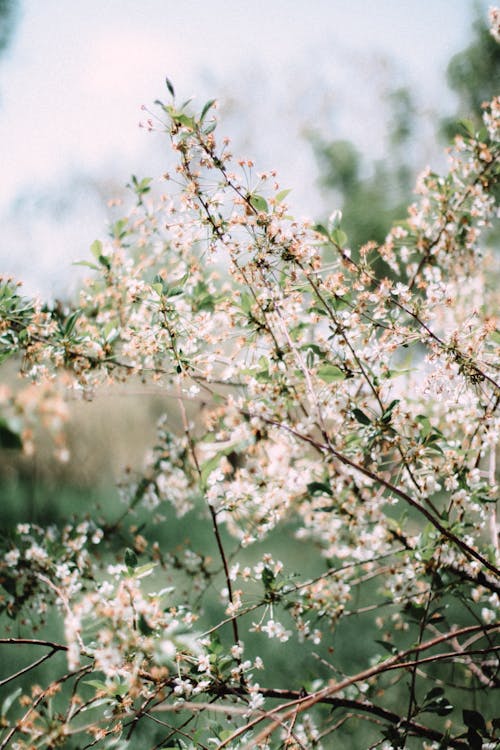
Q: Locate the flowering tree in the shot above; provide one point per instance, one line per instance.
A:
(355, 411)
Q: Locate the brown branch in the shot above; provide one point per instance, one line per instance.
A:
(33, 642)
(31, 666)
(395, 662)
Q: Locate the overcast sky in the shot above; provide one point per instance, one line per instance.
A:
(76, 73)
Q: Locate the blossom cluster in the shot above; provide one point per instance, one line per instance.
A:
(347, 397)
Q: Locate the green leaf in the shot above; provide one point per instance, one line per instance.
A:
(246, 302)
(258, 202)
(474, 739)
(179, 286)
(225, 734)
(339, 237)
(268, 578)
(334, 220)
(312, 347)
(215, 646)
(467, 127)
(86, 263)
(434, 693)
(9, 700)
(415, 613)
(184, 120)
(386, 416)
(97, 703)
(318, 310)
(439, 705)
(389, 647)
(425, 425)
(206, 107)
(263, 376)
(70, 322)
(361, 417)
(444, 709)
(394, 735)
(96, 249)
(119, 229)
(141, 571)
(9, 436)
(320, 229)
(144, 627)
(341, 302)
(474, 720)
(170, 86)
(330, 373)
(174, 291)
(130, 558)
(392, 405)
(119, 688)
(111, 331)
(319, 488)
(144, 186)
(97, 684)
(212, 463)
(206, 302)
(160, 282)
(279, 197)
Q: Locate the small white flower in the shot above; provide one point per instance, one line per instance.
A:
(182, 687)
(451, 483)
(237, 650)
(62, 571)
(204, 663)
(487, 615)
(256, 699)
(474, 478)
(276, 630)
(12, 557)
(36, 553)
(167, 648)
(97, 536)
(116, 570)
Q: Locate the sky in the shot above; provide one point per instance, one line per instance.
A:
(75, 75)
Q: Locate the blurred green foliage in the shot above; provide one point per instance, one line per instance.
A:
(474, 76)
(8, 17)
(373, 195)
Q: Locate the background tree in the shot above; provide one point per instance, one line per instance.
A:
(373, 195)
(8, 12)
(474, 76)
(370, 203)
